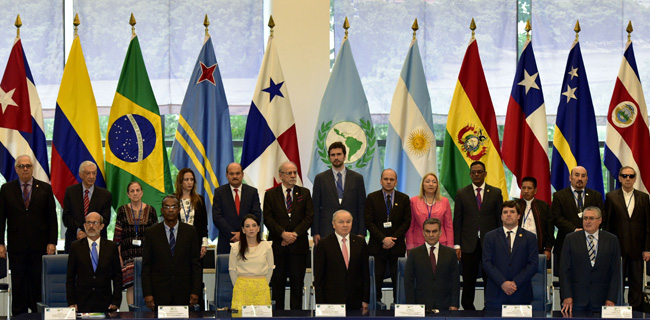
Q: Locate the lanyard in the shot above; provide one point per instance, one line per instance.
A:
(136, 220)
(583, 194)
(186, 211)
(523, 223)
(429, 207)
(627, 206)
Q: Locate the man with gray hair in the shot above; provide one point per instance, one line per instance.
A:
(81, 199)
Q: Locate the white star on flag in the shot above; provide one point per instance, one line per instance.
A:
(573, 72)
(570, 93)
(6, 99)
(529, 81)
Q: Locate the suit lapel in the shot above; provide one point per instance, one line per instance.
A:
(331, 185)
(229, 196)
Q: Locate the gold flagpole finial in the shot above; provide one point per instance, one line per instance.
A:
(528, 28)
(472, 26)
(76, 24)
(415, 27)
(577, 29)
(18, 24)
(132, 23)
(346, 26)
(271, 24)
(206, 24)
(629, 30)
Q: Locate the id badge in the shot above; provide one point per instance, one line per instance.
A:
(136, 242)
(387, 224)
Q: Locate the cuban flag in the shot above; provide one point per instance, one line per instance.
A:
(627, 124)
(21, 122)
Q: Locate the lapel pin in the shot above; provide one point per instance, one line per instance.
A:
(520, 235)
(396, 204)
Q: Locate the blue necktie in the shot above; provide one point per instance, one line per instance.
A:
(339, 184)
(94, 256)
(172, 240)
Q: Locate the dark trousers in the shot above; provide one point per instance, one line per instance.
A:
(471, 262)
(384, 259)
(25, 280)
(293, 266)
(633, 270)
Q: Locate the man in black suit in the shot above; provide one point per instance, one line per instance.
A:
(536, 216)
(171, 272)
(93, 263)
(75, 209)
(341, 274)
(590, 269)
(436, 289)
(338, 189)
(28, 213)
(388, 217)
(627, 215)
(231, 203)
(567, 207)
(477, 211)
(288, 214)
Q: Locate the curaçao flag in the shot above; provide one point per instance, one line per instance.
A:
(344, 116)
(472, 133)
(270, 138)
(525, 139)
(21, 122)
(76, 136)
(575, 142)
(628, 140)
(410, 142)
(203, 139)
(135, 145)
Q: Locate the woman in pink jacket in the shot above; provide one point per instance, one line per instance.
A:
(429, 204)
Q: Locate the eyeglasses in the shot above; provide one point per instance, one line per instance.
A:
(290, 173)
(24, 166)
(590, 218)
(477, 171)
(625, 176)
(170, 207)
(92, 223)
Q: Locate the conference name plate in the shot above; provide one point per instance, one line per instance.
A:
(617, 312)
(517, 311)
(257, 311)
(60, 314)
(409, 310)
(330, 310)
(165, 312)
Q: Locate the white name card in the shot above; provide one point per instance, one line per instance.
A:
(330, 310)
(516, 311)
(258, 311)
(60, 314)
(409, 310)
(165, 312)
(617, 312)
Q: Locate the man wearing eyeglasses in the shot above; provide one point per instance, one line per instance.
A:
(93, 263)
(28, 213)
(627, 215)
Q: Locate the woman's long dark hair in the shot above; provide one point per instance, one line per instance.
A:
(243, 242)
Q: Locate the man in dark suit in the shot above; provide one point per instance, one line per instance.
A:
(82, 198)
(536, 216)
(436, 289)
(288, 214)
(477, 211)
(590, 269)
(388, 217)
(509, 260)
(28, 213)
(337, 189)
(567, 207)
(231, 203)
(171, 272)
(627, 215)
(341, 272)
(93, 263)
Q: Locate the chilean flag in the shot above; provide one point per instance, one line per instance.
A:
(21, 118)
(525, 139)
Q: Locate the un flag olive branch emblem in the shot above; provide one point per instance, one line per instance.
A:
(359, 139)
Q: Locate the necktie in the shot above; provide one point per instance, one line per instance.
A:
(345, 253)
(94, 256)
(389, 204)
(26, 195)
(592, 250)
(432, 257)
(237, 202)
(339, 184)
(478, 197)
(172, 240)
(579, 192)
(289, 202)
(86, 202)
(509, 239)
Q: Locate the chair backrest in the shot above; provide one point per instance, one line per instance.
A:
(539, 283)
(621, 289)
(222, 286)
(401, 267)
(138, 296)
(53, 277)
(372, 304)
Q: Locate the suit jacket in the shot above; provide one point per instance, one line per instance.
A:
(336, 284)
(519, 266)
(584, 283)
(91, 290)
(565, 212)
(436, 291)
(400, 218)
(541, 212)
(633, 232)
(468, 219)
(277, 220)
(171, 278)
(73, 210)
(326, 202)
(224, 213)
(28, 229)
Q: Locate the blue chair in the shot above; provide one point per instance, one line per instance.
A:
(138, 296)
(401, 268)
(620, 301)
(222, 286)
(539, 282)
(53, 278)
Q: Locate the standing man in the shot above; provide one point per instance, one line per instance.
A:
(627, 213)
(92, 264)
(536, 216)
(590, 269)
(432, 275)
(509, 260)
(82, 198)
(28, 213)
(476, 212)
(388, 217)
(171, 272)
(337, 189)
(288, 213)
(231, 203)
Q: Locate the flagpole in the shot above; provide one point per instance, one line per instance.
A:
(132, 23)
(346, 26)
(415, 27)
(577, 29)
(271, 25)
(472, 26)
(528, 28)
(76, 24)
(18, 24)
(629, 30)
(206, 24)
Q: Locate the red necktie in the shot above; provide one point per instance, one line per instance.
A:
(237, 202)
(289, 202)
(432, 256)
(86, 203)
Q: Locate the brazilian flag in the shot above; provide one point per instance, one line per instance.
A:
(135, 145)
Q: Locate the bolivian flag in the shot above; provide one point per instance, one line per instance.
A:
(471, 133)
(135, 147)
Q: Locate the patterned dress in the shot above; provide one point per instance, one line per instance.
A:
(125, 233)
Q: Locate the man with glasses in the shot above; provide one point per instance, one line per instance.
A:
(627, 215)
(28, 213)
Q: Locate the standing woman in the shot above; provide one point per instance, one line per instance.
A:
(251, 266)
(429, 204)
(193, 210)
(131, 225)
